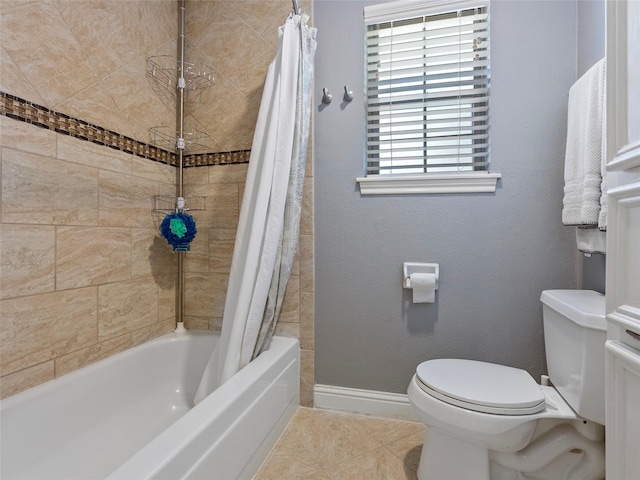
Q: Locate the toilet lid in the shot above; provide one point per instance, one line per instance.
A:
(481, 386)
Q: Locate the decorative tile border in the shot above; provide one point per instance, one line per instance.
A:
(25, 111)
(223, 158)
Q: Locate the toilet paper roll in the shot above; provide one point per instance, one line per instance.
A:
(424, 287)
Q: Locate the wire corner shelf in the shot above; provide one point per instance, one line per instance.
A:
(164, 70)
(166, 138)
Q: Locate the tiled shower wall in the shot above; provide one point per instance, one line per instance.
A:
(84, 272)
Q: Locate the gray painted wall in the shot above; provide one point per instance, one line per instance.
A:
(591, 48)
(591, 33)
(496, 252)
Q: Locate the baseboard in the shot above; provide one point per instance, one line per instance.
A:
(365, 402)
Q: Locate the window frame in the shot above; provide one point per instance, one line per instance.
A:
(410, 183)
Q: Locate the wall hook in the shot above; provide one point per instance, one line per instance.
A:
(348, 94)
(326, 96)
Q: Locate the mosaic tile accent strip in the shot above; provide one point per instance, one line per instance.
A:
(25, 111)
(222, 158)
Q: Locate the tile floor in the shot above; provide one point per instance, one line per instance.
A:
(325, 445)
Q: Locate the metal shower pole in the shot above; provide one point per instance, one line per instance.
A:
(180, 145)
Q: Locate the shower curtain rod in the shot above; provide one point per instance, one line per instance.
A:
(296, 7)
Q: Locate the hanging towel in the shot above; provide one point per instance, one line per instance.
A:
(602, 218)
(584, 156)
(591, 240)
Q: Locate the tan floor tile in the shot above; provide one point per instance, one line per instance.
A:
(408, 449)
(387, 430)
(326, 445)
(292, 462)
(330, 437)
(378, 464)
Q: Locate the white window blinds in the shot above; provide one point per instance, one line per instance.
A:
(428, 92)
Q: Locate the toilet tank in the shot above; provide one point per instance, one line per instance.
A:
(575, 331)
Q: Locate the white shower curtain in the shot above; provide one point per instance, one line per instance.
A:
(267, 235)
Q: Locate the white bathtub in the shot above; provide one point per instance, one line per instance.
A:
(130, 416)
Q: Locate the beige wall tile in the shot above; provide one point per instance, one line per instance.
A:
(156, 171)
(197, 259)
(195, 175)
(295, 268)
(306, 321)
(86, 356)
(27, 254)
(91, 256)
(306, 378)
(306, 217)
(263, 17)
(86, 153)
(205, 294)
(215, 324)
(24, 136)
(222, 205)
(126, 306)
(146, 35)
(306, 263)
(27, 378)
(38, 328)
(234, 173)
(96, 106)
(228, 115)
(13, 80)
(196, 323)
(286, 329)
(126, 201)
(167, 301)
(140, 105)
(167, 190)
(58, 52)
(234, 46)
(290, 311)
(150, 332)
(151, 255)
(98, 28)
(221, 243)
(43, 190)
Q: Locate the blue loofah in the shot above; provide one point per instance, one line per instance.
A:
(179, 229)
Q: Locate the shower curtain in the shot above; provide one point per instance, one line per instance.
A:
(267, 235)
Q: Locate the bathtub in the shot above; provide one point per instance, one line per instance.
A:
(130, 416)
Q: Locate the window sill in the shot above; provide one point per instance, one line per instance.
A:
(429, 183)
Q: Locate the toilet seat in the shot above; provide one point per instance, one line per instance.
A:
(481, 386)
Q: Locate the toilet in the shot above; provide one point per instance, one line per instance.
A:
(487, 421)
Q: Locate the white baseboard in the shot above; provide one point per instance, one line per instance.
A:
(365, 402)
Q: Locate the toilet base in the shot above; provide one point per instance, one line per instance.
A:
(560, 449)
(447, 458)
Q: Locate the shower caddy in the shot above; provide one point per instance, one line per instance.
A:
(171, 79)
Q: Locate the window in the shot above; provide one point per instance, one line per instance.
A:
(427, 78)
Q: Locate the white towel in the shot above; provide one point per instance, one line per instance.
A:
(584, 156)
(602, 218)
(591, 240)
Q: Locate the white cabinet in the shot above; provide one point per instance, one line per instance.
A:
(623, 240)
(623, 411)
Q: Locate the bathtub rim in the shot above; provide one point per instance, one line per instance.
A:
(149, 461)
(42, 388)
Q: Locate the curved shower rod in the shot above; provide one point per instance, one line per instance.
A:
(296, 7)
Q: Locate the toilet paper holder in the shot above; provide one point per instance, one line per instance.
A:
(414, 267)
